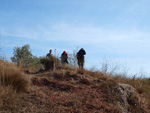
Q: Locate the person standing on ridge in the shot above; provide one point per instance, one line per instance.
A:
(49, 55)
(49, 62)
(80, 57)
(64, 57)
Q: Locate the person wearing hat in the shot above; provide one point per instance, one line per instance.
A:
(64, 57)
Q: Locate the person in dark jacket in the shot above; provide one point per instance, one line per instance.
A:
(49, 62)
(49, 55)
(64, 57)
(80, 57)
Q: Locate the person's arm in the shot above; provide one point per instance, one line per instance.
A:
(84, 52)
(46, 55)
(67, 55)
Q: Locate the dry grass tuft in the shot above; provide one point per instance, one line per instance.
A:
(12, 81)
(10, 76)
(85, 81)
(9, 99)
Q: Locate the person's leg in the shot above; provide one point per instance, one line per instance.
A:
(66, 61)
(82, 62)
(79, 63)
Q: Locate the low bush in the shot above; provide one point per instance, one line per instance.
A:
(12, 82)
(10, 76)
(50, 63)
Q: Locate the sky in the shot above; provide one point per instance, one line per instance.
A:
(116, 30)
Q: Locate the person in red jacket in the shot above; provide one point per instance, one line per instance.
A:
(64, 57)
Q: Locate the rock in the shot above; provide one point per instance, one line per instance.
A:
(129, 100)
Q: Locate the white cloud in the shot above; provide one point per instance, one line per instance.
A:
(21, 33)
(79, 35)
(119, 42)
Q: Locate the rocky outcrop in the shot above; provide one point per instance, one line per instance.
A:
(130, 101)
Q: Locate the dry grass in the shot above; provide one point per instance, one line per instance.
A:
(77, 95)
(142, 85)
(8, 99)
(66, 89)
(85, 81)
(12, 81)
(10, 76)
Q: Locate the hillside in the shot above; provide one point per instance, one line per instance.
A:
(67, 90)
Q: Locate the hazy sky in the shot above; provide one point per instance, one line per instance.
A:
(115, 29)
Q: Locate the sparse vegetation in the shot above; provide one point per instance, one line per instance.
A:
(50, 63)
(12, 82)
(11, 76)
(68, 89)
(142, 85)
(22, 56)
(85, 81)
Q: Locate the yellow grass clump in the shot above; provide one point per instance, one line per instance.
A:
(11, 76)
(12, 82)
